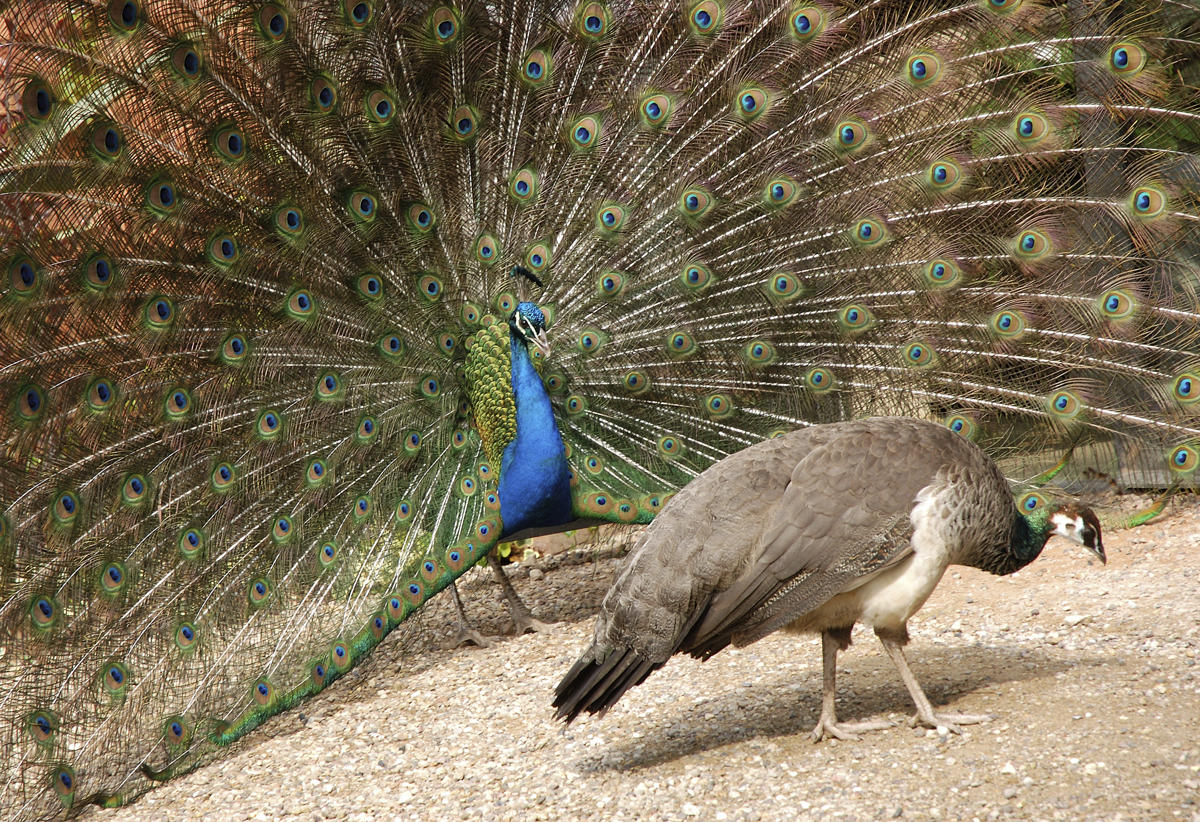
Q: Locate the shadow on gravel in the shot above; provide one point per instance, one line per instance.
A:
(791, 708)
(570, 590)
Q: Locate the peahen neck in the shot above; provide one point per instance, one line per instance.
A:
(1026, 540)
(535, 482)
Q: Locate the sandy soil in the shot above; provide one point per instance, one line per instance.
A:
(1090, 672)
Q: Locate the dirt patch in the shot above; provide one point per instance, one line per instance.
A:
(1090, 672)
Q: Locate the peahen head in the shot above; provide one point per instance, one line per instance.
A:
(1065, 518)
(1079, 524)
(528, 323)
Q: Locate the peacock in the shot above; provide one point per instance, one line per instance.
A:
(307, 306)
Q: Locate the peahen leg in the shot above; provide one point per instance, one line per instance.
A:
(828, 725)
(523, 618)
(465, 632)
(925, 714)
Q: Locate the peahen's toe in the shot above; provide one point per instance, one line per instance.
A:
(847, 730)
(950, 721)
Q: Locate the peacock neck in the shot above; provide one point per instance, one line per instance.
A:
(535, 483)
(1026, 541)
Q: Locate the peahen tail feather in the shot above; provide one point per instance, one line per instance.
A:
(246, 246)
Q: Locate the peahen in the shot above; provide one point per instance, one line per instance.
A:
(272, 330)
(813, 532)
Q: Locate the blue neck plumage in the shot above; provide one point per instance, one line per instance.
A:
(535, 483)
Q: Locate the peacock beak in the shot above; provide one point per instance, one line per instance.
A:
(542, 342)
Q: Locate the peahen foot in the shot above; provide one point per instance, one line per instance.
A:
(950, 721)
(523, 619)
(828, 726)
(925, 713)
(466, 634)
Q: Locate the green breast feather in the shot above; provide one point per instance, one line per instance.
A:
(488, 376)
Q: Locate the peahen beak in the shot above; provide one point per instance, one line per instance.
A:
(1091, 540)
(542, 342)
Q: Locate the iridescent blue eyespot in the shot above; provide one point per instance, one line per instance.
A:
(1127, 59)
(702, 18)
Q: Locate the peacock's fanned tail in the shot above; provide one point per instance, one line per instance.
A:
(245, 248)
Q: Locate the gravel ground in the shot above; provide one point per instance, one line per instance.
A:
(1091, 675)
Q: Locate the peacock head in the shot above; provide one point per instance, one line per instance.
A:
(1078, 524)
(529, 324)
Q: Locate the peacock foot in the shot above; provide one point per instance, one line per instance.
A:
(469, 636)
(830, 727)
(525, 622)
(948, 721)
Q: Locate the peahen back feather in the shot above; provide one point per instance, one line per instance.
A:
(246, 247)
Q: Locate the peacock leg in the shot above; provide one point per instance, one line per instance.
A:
(465, 632)
(523, 618)
(828, 725)
(925, 715)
